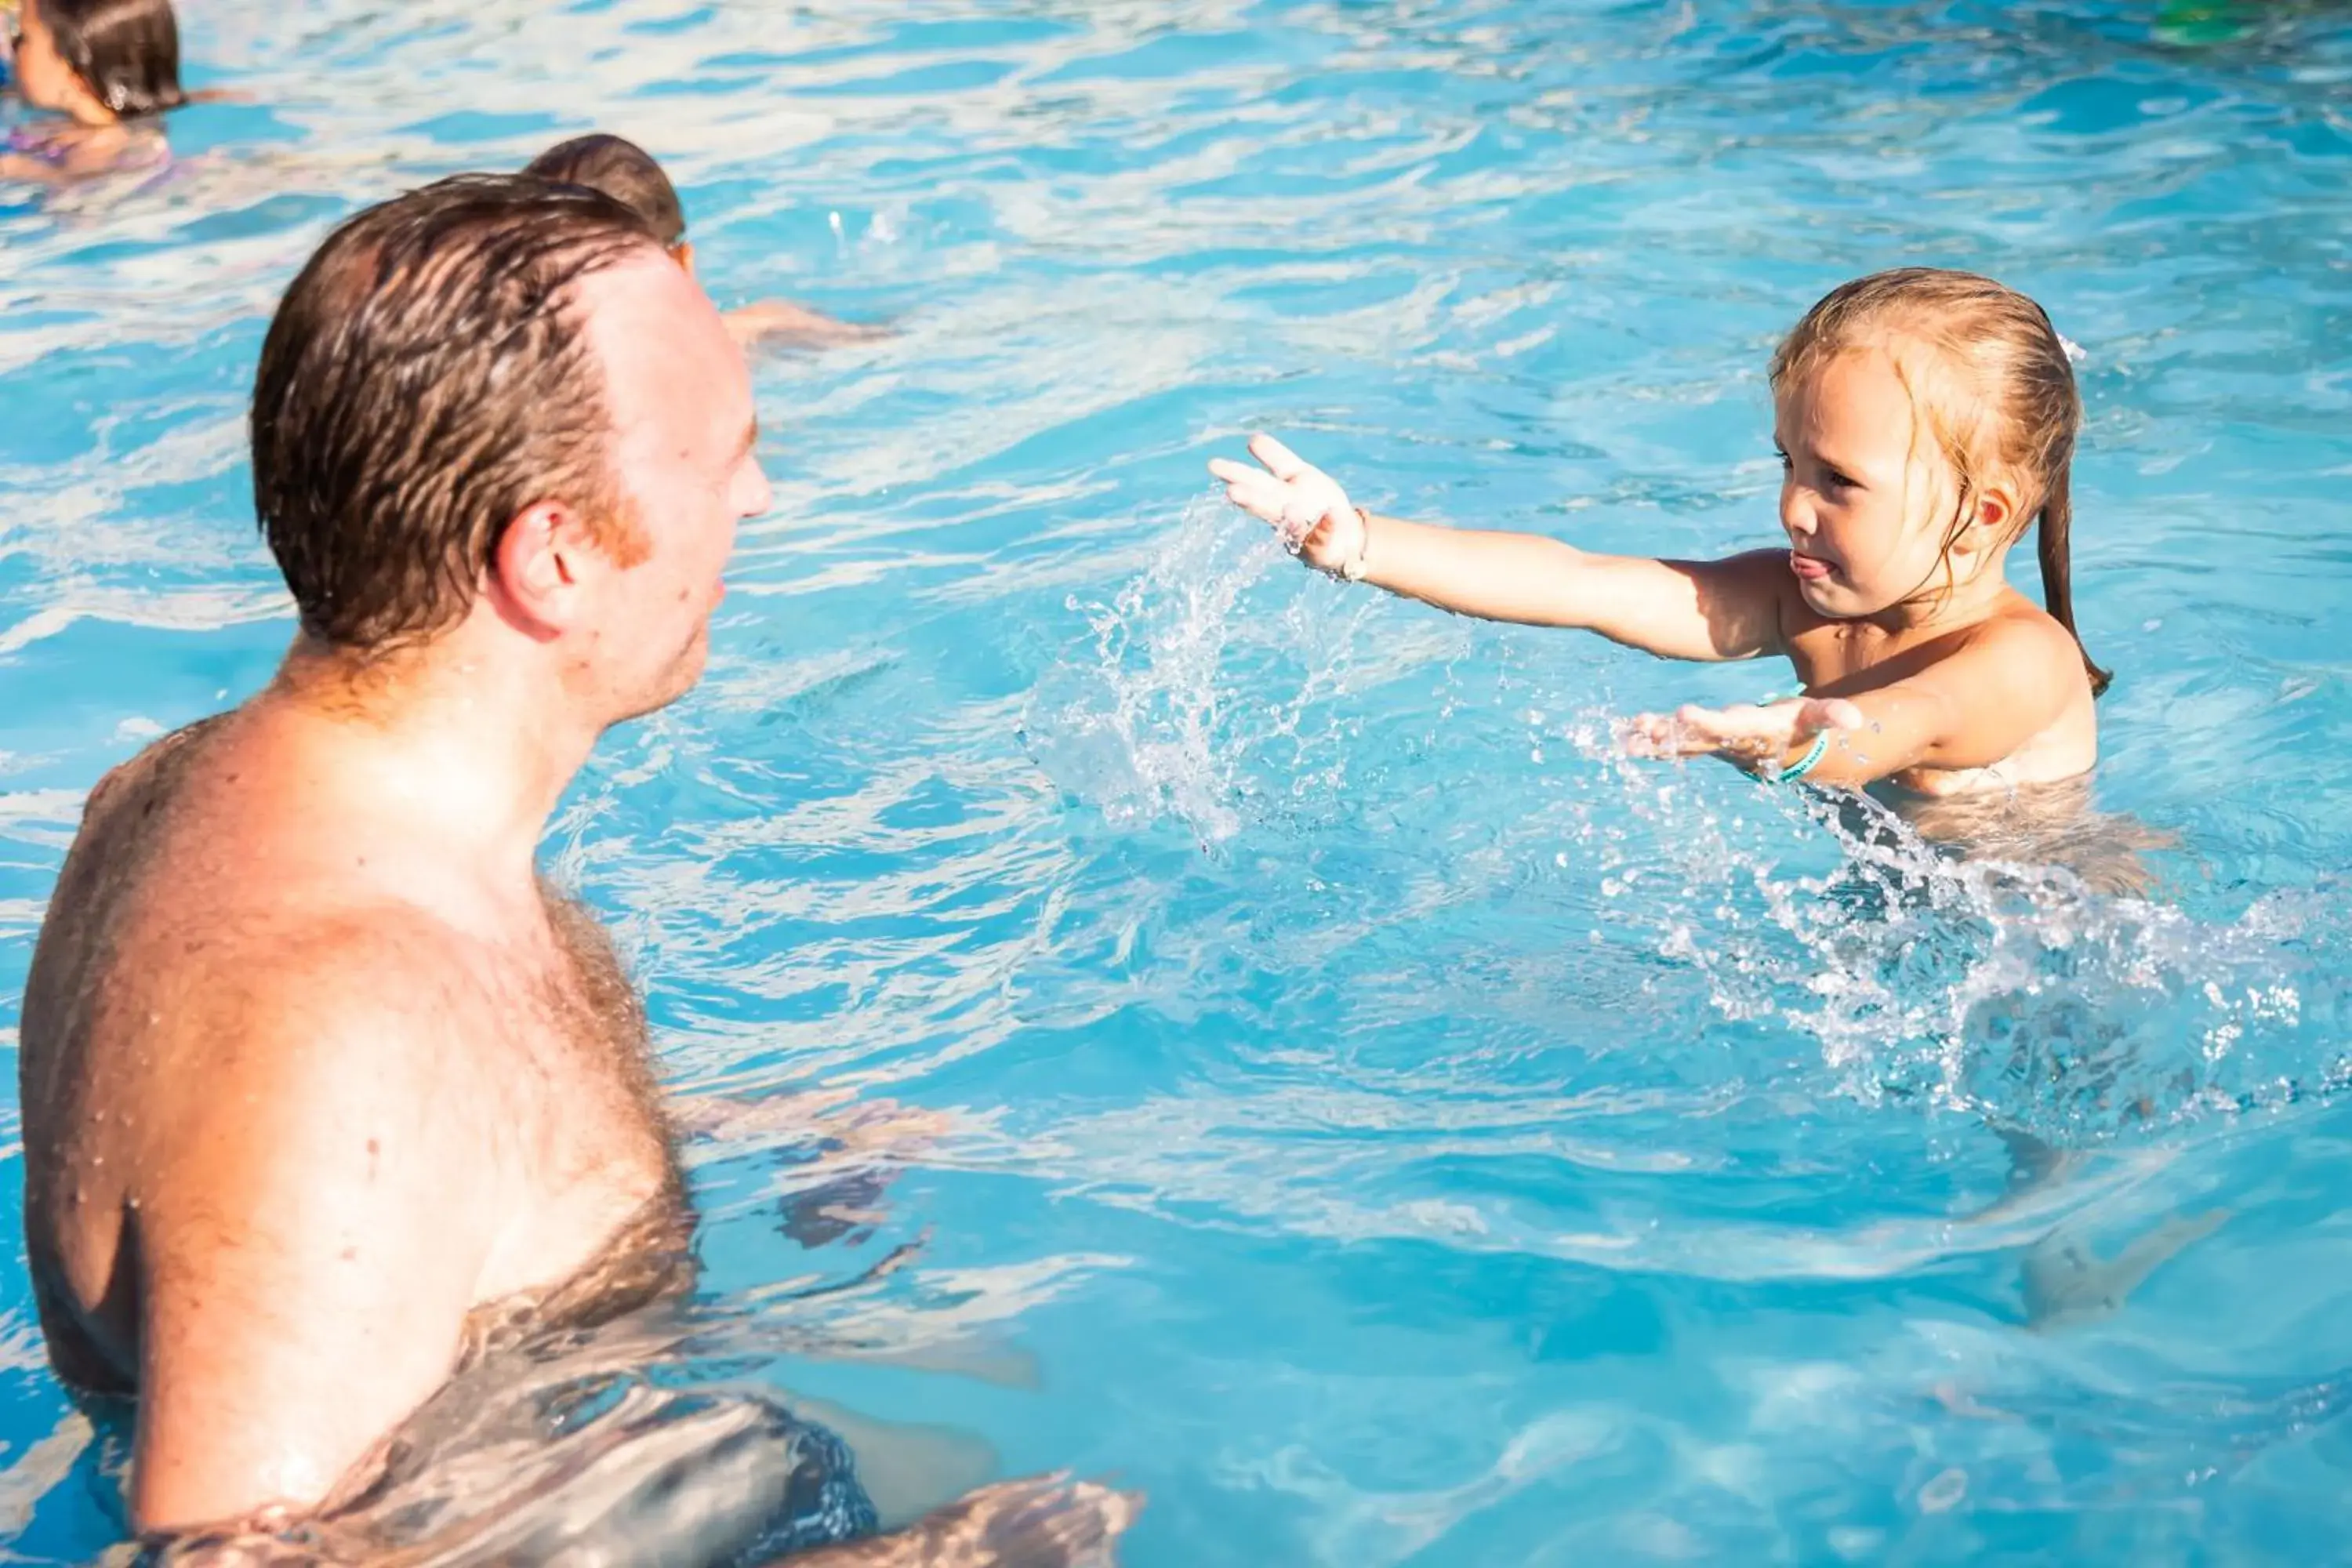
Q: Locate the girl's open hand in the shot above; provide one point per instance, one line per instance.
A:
(1757, 737)
(1307, 507)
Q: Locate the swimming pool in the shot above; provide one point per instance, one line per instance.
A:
(1332, 1094)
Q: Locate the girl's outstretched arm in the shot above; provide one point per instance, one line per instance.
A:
(1678, 609)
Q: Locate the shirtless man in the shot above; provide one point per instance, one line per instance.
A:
(325, 1095)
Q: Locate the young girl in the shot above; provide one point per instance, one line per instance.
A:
(111, 68)
(1925, 420)
(630, 176)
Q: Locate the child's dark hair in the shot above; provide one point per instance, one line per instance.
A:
(623, 170)
(127, 52)
(2012, 407)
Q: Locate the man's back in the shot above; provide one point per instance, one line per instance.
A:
(264, 969)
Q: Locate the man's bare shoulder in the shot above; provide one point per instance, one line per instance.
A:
(356, 1007)
(396, 961)
(137, 782)
(315, 1076)
(288, 1028)
(376, 979)
(219, 882)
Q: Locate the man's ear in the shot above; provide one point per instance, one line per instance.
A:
(683, 254)
(539, 569)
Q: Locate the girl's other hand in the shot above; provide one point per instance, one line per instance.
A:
(1308, 510)
(1758, 737)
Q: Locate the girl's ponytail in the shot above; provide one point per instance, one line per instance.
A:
(2057, 569)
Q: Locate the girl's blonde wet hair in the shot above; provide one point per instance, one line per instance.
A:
(2001, 401)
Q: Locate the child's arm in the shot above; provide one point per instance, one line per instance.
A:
(779, 320)
(31, 171)
(83, 155)
(1680, 609)
(1677, 609)
(1970, 701)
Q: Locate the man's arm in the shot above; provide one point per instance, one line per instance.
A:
(309, 1239)
(1044, 1521)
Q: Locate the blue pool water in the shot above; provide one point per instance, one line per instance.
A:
(1318, 1085)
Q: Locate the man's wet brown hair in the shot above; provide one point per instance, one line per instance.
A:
(2000, 400)
(623, 170)
(127, 52)
(426, 379)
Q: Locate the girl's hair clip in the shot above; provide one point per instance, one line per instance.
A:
(2075, 354)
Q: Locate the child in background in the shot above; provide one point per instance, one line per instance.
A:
(628, 173)
(111, 68)
(1925, 419)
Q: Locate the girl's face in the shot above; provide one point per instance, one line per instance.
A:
(42, 74)
(1864, 498)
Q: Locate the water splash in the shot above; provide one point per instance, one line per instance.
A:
(2019, 991)
(1148, 718)
(2022, 971)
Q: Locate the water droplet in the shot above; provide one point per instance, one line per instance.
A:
(1856, 1543)
(1940, 1495)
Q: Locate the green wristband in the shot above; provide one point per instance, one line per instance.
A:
(1808, 763)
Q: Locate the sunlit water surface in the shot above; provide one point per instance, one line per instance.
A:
(1280, 1058)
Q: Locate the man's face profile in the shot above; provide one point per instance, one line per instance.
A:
(683, 467)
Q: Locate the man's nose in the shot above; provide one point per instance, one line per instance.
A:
(762, 496)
